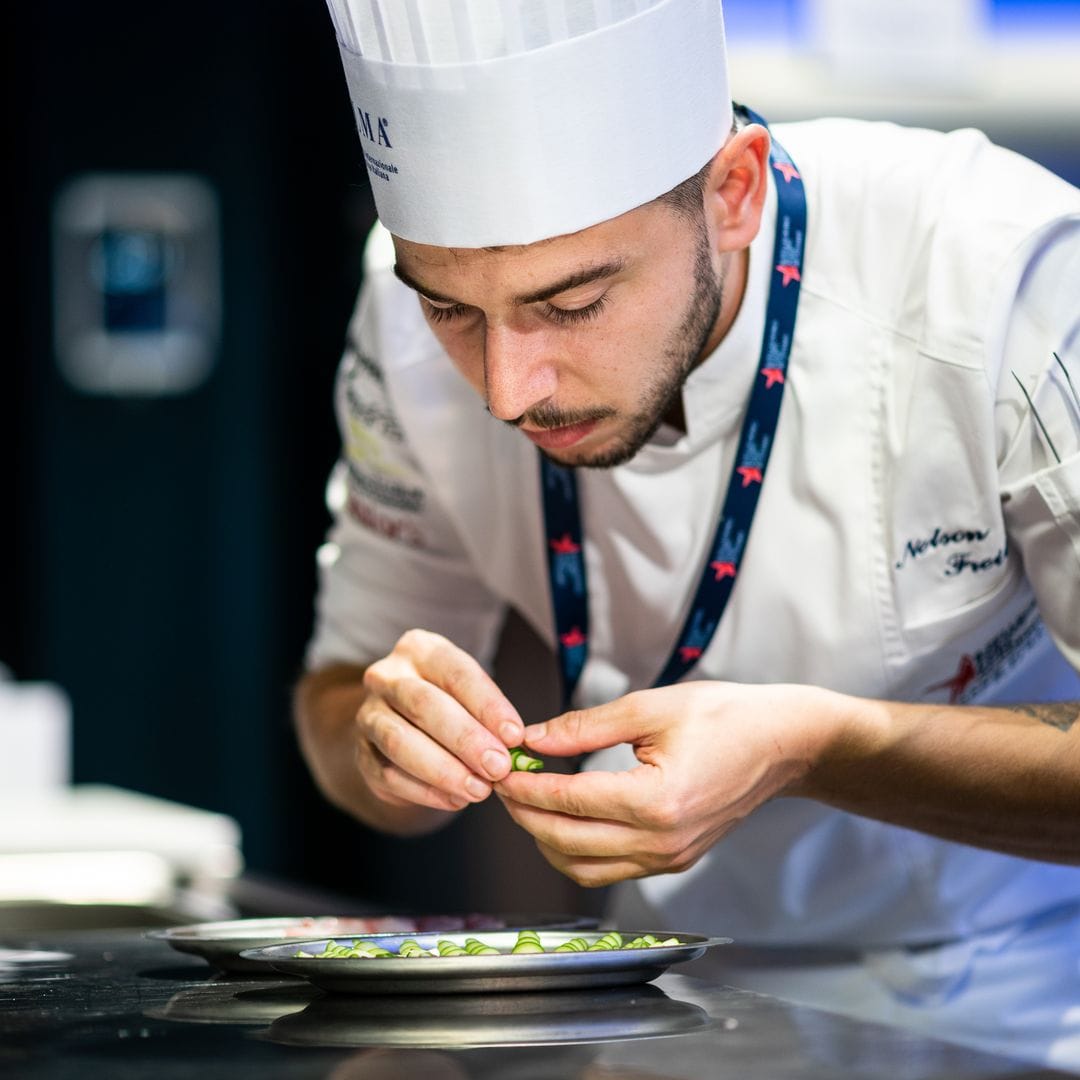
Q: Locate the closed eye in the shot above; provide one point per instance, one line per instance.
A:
(441, 313)
(566, 316)
(438, 313)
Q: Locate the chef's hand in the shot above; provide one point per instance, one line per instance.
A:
(433, 728)
(416, 735)
(709, 753)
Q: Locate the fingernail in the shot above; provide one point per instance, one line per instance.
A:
(535, 733)
(511, 733)
(477, 788)
(495, 762)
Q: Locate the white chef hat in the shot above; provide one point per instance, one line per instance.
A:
(488, 122)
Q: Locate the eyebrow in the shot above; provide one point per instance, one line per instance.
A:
(585, 276)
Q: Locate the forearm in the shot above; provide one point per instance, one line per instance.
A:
(1005, 778)
(325, 706)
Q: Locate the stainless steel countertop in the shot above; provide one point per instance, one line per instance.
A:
(123, 1006)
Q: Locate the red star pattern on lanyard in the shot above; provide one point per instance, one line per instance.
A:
(563, 545)
(572, 638)
(723, 569)
(787, 171)
(789, 274)
(773, 375)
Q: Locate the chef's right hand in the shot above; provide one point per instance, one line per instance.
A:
(434, 729)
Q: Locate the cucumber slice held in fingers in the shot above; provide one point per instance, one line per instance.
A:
(521, 761)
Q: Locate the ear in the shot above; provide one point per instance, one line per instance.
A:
(738, 181)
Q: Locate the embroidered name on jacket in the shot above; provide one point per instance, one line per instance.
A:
(919, 546)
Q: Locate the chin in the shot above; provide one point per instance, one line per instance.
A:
(607, 456)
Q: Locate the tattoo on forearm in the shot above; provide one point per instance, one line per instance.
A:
(1059, 714)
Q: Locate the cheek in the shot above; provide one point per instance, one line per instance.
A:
(609, 358)
(642, 333)
(466, 352)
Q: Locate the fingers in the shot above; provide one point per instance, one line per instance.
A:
(623, 796)
(592, 873)
(428, 709)
(574, 836)
(402, 765)
(625, 719)
(593, 851)
(434, 724)
(453, 670)
(655, 840)
(441, 663)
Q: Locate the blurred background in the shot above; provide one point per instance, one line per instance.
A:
(188, 216)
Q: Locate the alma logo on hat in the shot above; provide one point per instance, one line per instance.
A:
(377, 134)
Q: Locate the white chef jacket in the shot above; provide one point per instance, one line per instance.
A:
(916, 537)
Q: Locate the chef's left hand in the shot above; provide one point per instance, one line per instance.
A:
(709, 753)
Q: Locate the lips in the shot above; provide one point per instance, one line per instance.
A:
(561, 437)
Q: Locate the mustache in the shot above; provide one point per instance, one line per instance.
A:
(549, 417)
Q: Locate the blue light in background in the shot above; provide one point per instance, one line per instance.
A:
(755, 20)
(131, 272)
(1035, 16)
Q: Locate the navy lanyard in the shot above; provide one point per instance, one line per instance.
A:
(562, 517)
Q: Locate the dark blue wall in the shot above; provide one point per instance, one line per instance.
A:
(158, 564)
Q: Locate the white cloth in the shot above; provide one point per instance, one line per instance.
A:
(915, 538)
(1013, 990)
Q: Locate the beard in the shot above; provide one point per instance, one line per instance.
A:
(680, 356)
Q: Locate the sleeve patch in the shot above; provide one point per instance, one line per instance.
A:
(395, 528)
(384, 488)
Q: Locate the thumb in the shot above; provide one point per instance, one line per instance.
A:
(584, 730)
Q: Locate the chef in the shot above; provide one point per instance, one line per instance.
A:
(773, 434)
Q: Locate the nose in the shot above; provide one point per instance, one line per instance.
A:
(519, 370)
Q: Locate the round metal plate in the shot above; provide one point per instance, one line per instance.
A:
(482, 974)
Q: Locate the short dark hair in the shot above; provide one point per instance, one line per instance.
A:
(687, 199)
